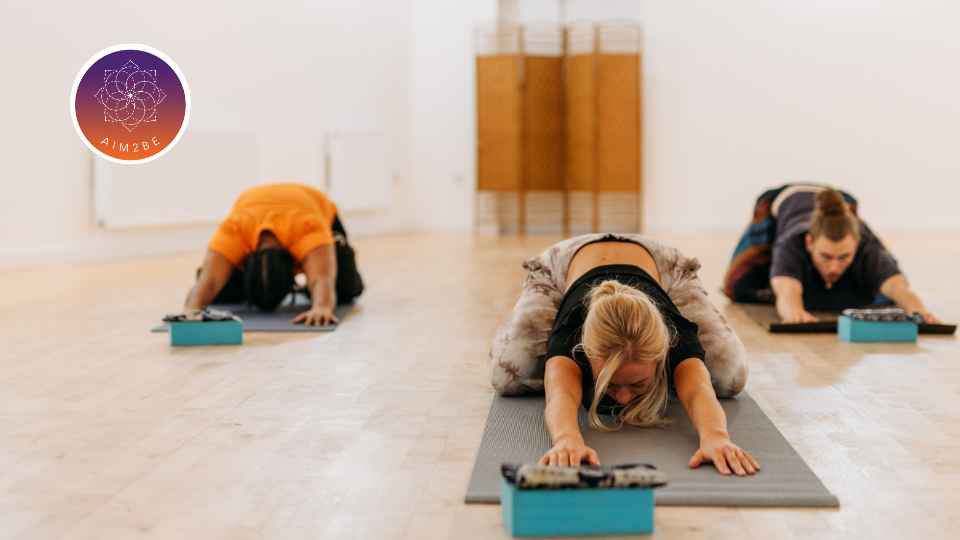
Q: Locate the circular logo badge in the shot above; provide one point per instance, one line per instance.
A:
(130, 103)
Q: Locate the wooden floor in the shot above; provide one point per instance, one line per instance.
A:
(370, 431)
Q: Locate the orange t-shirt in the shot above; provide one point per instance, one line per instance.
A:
(300, 216)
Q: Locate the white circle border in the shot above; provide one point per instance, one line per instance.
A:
(127, 47)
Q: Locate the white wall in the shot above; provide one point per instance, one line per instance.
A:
(738, 96)
(288, 70)
(569, 10)
(741, 95)
(443, 109)
(746, 94)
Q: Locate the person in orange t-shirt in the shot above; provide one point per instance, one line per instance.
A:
(273, 232)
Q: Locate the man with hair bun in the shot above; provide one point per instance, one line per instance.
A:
(807, 250)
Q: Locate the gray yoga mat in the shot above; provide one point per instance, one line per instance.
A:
(277, 321)
(515, 432)
(767, 317)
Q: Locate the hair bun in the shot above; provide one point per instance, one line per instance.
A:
(607, 288)
(830, 203)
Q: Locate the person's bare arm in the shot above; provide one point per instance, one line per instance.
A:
(789, 293)
(561, 382)
(700, 401)
(320, 267)
(898, 289)
(214, 274)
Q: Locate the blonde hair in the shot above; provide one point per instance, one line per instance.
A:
(624, 325)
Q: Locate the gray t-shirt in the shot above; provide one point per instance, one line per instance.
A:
(857, 287)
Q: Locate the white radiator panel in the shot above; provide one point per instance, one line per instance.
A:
(356, 171)
(196, 182)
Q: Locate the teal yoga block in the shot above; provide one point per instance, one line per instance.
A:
(854, 330)
(572, 512)
(188, 333)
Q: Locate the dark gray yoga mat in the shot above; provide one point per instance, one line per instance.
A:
(515, 432)
(766, 316)
(277, 321)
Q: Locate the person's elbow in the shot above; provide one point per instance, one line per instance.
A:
(894, 286)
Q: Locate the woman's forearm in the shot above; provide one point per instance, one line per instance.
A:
(700, 401)
(707, 416)
(560, 413)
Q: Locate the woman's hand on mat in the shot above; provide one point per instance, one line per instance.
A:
(725, 456)
(929, 318)
(316, 316)
(795, 314)
(570, 452)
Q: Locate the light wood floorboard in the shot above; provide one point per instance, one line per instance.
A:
(370, 431)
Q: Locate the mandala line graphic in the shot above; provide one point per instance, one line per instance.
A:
(130, 95)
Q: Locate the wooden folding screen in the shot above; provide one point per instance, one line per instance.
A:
(499, 123)
(582, 188)
(499, 80)
(559, 136)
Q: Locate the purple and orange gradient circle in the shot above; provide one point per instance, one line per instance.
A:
(130, 103)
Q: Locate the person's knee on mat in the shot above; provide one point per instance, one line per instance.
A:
(728, 368)
(516, 354)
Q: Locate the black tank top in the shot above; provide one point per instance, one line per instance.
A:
(568, 326)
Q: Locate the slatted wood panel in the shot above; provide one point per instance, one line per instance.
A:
(499, 129)
(580, 122)
(543, 140)
(570, 125)
(615, 212)
(543, 211)
(618, 118)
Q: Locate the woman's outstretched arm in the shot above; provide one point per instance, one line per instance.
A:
(698, 398)
(562, 386)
